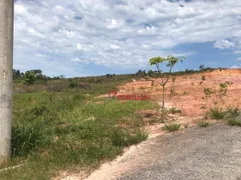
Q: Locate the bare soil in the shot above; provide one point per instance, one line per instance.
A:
(189, 90)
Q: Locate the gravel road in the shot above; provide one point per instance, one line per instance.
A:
(196, 153)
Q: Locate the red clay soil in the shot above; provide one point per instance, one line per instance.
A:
(189, 90)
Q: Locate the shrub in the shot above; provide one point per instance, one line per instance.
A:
(118, 138)
(136, 138)
(217, 113)
(234, 122)
(203, 124)
(203, 78)
(234, 112)
(73, 84)
(172, 127)
(208, 91)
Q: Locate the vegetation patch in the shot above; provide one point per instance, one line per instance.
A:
(217, 113)
(203, 124)
(67, 131)
(234, 122)
(172, 127)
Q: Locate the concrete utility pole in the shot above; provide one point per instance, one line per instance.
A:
(6, 77)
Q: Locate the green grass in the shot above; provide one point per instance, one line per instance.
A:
(234, 122)
(172, 127)
(70, 131)
(216, 113)
(203, 124)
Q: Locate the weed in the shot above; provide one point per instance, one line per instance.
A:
(186, 125)
(234, 112)
(234, 122)
(203, 124)
(203, 78)
(173, 110)
(26, 139)
(217, 113)
(73, 84)
(172, 127)
(208, 91)
(121, 137)
(153, 121)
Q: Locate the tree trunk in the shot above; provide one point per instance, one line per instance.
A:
(163, 103)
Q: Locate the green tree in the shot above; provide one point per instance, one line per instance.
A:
(170, 61)
(201, 67)
(30, 78)
(16, 74)
(150, 73)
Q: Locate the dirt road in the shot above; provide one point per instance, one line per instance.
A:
(194, 153)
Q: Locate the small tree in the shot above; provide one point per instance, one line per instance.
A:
(201, 67)
(30, 78)
(170, 63)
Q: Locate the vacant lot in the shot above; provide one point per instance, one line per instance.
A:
(59, 129)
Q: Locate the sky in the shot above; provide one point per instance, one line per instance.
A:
(96, 37)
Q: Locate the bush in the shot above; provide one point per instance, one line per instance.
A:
(234, 122)
(172, 127)
(234, 112)
(216, 113)
(118, 138)
(203, 124)
(203, 78)
(73, 84)
(136, 138)
(208, 91)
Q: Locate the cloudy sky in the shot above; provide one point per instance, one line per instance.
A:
(96, 37)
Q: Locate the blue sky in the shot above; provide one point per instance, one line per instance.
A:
(97, 37)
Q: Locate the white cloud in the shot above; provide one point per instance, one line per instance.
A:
(234, 67)
(121, 34)
(239, 59)
(224, 44)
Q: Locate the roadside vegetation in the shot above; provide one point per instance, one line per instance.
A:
(68, 128)
(234, 122)
(220, 109)
(172, 127)
(203, 124)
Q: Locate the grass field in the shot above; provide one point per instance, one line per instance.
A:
(70, 130)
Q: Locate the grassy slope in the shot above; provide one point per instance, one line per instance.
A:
(70, 131)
